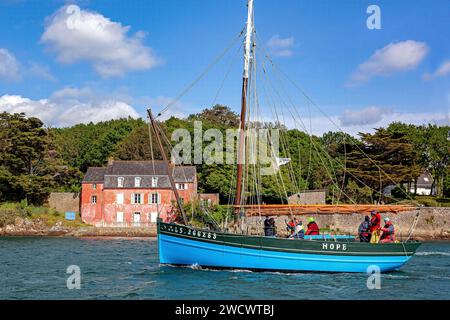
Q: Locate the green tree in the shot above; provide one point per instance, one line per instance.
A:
(384, 158)
(27, 161)
(219, 115)
(437, 154)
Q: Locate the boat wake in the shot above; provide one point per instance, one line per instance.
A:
(433, 253)
(195, 266)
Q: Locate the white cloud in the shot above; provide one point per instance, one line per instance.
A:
(9, 67)
(42, 109)
(96, 112)
(281, 47)
(369, 115)
(395, 57)
(80, 35)
(443, 70)
(40, 71)
(69, 106)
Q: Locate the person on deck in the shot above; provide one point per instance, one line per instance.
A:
(313, 228)
(375, 227)
(269, 227)
(388, 234)
(364, 230)
(290, 226)
(274, 226)
(299, 232)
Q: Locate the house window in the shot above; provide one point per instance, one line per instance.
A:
(94, 186)
(137, 182)
(120, 182)
(94, 199)
(137, 218)
(181, 186)
(136, 198)
(119, 198)
(155, 198)
(154, 182)
(119, 217)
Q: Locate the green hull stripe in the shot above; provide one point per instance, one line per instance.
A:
(291, 245)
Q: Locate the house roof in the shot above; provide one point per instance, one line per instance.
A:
(95, 174)
(425, 180)
(144, 169)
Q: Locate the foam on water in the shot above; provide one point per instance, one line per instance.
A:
(433, 253)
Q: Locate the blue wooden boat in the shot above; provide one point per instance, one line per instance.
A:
(185, 245)
(182, 245)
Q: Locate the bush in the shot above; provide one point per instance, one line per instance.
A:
(9, 212)
(213, 216)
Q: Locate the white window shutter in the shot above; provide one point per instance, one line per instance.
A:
(159, 198)
(132, 198)
(142, 198)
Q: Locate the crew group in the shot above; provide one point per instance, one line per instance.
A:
(370, 229)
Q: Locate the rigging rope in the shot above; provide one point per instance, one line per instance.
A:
(310, 133)
(196, 80)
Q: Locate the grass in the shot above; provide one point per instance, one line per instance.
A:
(10, 211)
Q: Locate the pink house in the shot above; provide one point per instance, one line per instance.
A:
(134, 193)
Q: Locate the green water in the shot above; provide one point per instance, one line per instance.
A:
(35, 268)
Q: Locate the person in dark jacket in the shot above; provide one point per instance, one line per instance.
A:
(313, 228)
(364, 230)
(274, 226)
(269, 227)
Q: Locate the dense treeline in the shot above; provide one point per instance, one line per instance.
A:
(35, 160)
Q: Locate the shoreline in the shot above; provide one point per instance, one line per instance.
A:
(38, 228)
(131, 237)
(433, 225)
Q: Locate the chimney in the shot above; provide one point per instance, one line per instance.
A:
(110, 161)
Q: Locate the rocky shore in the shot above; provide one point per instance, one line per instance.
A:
(38, 228)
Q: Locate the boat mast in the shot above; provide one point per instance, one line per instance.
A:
(241, 141)
(167, 165)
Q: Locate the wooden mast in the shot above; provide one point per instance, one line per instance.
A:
(241, 142)
(168, 166)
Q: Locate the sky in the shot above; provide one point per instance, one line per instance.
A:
(71, 62)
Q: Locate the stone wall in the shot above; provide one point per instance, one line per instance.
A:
(433, 223)
(308, 197)
(64, 201)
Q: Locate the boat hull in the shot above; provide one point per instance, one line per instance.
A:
(180, 245)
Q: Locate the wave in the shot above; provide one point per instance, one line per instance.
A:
(195, 266)
(433, 253)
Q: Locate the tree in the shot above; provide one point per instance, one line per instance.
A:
(384, 158)
(136, 146)
(23, 155)
(220, 115)
(437, 154)
(86, 145)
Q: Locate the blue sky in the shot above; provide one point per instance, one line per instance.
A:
(145, 52)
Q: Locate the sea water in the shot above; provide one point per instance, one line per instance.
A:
(120, 268)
